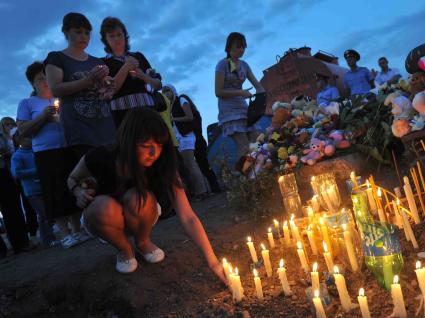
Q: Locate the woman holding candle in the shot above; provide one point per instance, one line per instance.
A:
(36, 119)
(132, 178)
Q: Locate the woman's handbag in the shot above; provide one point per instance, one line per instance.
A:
(256, 108)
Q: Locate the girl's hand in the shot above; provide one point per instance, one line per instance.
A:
(84, 196)
(246, 93)
(98, 72)
(48, 112)
(131, 63)
(217, 268)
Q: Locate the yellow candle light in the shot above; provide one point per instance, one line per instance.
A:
(315, 282)
(258, 286)
(270, 237)
(420, 274)
(286, 233)
(310, 235)
(328, 258)
(350, 249)
(294, 230)
(266, 259)
(342, 290)
(408, 229)
(325, 233)
(364, 307)
(283, 279)
(398, 219)
(353, 179)
(310, 214)
(397, 192)
(231, 280)
(320, 311)
(381, 214)
(398, 300)
(411, 200)
(370, 197)
(301, 255)
(315, 203)
(226, 268)
(252, 250)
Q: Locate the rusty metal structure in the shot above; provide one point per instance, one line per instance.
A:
(294, 74)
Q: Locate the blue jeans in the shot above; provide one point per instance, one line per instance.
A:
(44, 226)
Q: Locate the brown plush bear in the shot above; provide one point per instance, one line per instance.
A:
(281, 114)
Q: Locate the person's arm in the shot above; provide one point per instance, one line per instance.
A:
(154, 82)
(194, 229)
(79, 173)
(59, 88)
(334, 93)
(394, 79)
(370, 78)
(227, 93)
(188, 115)
(29, 128)
(130, 64)
(251, 77)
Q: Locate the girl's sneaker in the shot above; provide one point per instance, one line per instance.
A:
(69, 241)
(125, 266)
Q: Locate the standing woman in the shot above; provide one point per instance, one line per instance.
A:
(134, 77)
(81, 82)
(230, 73)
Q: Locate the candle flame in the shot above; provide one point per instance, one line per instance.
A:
(315, 267)
(281, 263)
(280, 179)
(309, 227)
(236, 271)
(299, 245)
(325, 247)
(316, 293)
(310, 210)
(230, 269)
(355, 200)
(379, 192)
(313, 178)
(367, 184)
(285, 223)
(270, 230)
(344, 227)
(255, 273)
(395, 279)
(336, 270)
(321, 221)
(398, 201)
(224, 261)
(263, 247)
(56, 102)
(352, 175)
(292, 216)
(249, 239)
(361, 292)
(418, 265)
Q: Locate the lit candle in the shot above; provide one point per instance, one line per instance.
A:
(315, 203)
(381, 214)
(397, 192)
(270, 237)
(325, 234)
(283, 279)
(310, 214)
(328, 258)
(350, 249)
(258, 286)
(286, 233)
(342, 290)
(398, 219)
(266, 259)
(320, 311)
(226, 268)
(353, 179)
(252, 250)
(411, 200)
(294, 230)
(301, 255)
(327, 199)
(231, 281)
(418, 163)
(315, 283)
(276, 225)
(370, 197)
(310, 235)
(364, 307)
(398, 300)
(408, 228)
(420, 274)
(333, 195)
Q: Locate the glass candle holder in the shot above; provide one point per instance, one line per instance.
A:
(326, 189)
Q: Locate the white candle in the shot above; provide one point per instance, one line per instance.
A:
(398, 219)
(353, 179)
(266, 259)
(226, 269)
(310, 235)
(231, 281)
(252, 250)
(315, 282)
(315, 203)
(342, 290)
(328, 258)
(320, 311)
(398, 300)
(397, 192)
(408, 228)
(381, 213)
(327, 199)
(258, 286)
(270, 237)
(420, 274)
(411, 200)
(283, 279)
(333, 195)
(350, 249)
(310, 214)
(370, 197)
(302, 257)
(364, 307)
(325, 233)
(294, 230)
(286, 233)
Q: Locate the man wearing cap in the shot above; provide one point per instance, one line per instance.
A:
(386, 75)
(358, 80)
(327, 92)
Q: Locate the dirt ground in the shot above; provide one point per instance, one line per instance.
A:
(82, 281)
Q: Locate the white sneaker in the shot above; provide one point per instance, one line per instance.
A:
(69, 241)
(155, 256)
(125, 266)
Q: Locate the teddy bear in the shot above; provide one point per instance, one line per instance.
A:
(338, 136)
(402, 109)
(281, 114)
(314, 153)
(401, 127)
(418, 122)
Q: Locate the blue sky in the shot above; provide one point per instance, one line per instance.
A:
(184, 39)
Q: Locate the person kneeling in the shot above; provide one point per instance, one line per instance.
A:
(133, 181)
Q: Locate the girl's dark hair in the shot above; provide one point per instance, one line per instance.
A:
(234, 37)
(31, 72)
(138, 126)
(76, 21)
(109, 24)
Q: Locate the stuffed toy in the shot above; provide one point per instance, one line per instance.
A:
(299, 102)
(314, 153)
(291, 162)
(401, 127)
(401, 107)
(281, 114)
(338, 136)
(418, 122)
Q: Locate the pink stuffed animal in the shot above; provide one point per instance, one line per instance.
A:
(338, 137)
(314, 153)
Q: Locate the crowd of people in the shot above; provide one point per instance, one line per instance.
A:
(102, 147)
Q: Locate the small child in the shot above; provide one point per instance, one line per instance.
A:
(23, 168)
